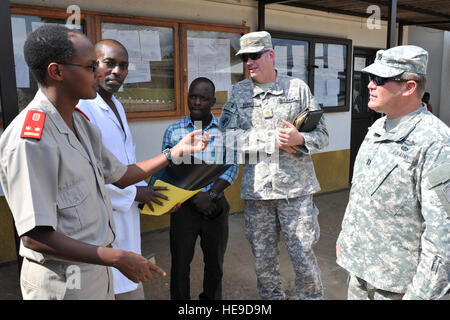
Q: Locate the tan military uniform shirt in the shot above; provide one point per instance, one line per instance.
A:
(59, 180)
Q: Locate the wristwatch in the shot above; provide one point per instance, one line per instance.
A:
(168, 155)
(212, 194)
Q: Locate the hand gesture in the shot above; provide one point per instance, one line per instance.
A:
(135, 267)
(190, 143)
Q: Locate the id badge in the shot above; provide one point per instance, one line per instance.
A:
(267, 113)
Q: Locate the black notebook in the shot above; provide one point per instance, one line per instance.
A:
(307, 120)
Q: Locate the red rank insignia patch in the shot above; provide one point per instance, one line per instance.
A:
(33, 125)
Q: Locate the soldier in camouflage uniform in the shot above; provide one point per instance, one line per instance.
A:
(395, 234)
(278, 177)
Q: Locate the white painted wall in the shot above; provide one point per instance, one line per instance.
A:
(432, 41)
(437, 43)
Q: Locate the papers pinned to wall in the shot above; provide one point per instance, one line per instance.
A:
(150, 47)
(327, 86)
(143, 46)
(281, 59)
(291, 60)
(138, 71)
(299, 60)
(210, 58)
(360, 63)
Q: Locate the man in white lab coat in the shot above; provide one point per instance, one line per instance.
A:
(108, 114)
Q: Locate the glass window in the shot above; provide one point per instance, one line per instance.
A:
(150, 84)
(291, 57)
(21, 26)
(213, 55)
(165, 55)
(322, 62)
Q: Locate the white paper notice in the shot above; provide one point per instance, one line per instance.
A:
(150, 48)
(360, 63)
(109, 34)
(281, 59)
(210, 58)
(326, 87)
(19, 33)
(333, 87)
(299, 55)
(336, 57)
(320, 89)
(130, 40)
(138, 71)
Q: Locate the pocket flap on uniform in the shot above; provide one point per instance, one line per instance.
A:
(72, 196)
(439, 175)
(378, 181)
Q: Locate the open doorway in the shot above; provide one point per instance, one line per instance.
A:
(362, 116)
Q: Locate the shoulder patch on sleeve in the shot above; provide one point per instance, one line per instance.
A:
(230, 106)
(33, 125)
(439, 180)
(224, 120)
(84, 114)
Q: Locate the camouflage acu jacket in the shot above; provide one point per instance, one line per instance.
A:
(249, 121)
(395, 232)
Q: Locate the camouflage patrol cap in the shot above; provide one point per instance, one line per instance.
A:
(255, 42)
(394, 61)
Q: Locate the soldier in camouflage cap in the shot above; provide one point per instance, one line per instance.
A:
(255, 42)
(395, 61)
(278, 178)
(395, 238)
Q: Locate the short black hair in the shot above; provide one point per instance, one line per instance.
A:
(49, 43)
(205, 80)
(105, 41)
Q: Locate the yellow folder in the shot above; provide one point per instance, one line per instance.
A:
(175, 194)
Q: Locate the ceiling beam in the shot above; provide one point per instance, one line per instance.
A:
(321, 8)
(424, 23)
(276, 1)
(409, 8)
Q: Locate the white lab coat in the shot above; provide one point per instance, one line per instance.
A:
(125, 209)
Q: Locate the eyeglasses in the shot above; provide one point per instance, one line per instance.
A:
(93, 66)
(253, 56)
(380, 81)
